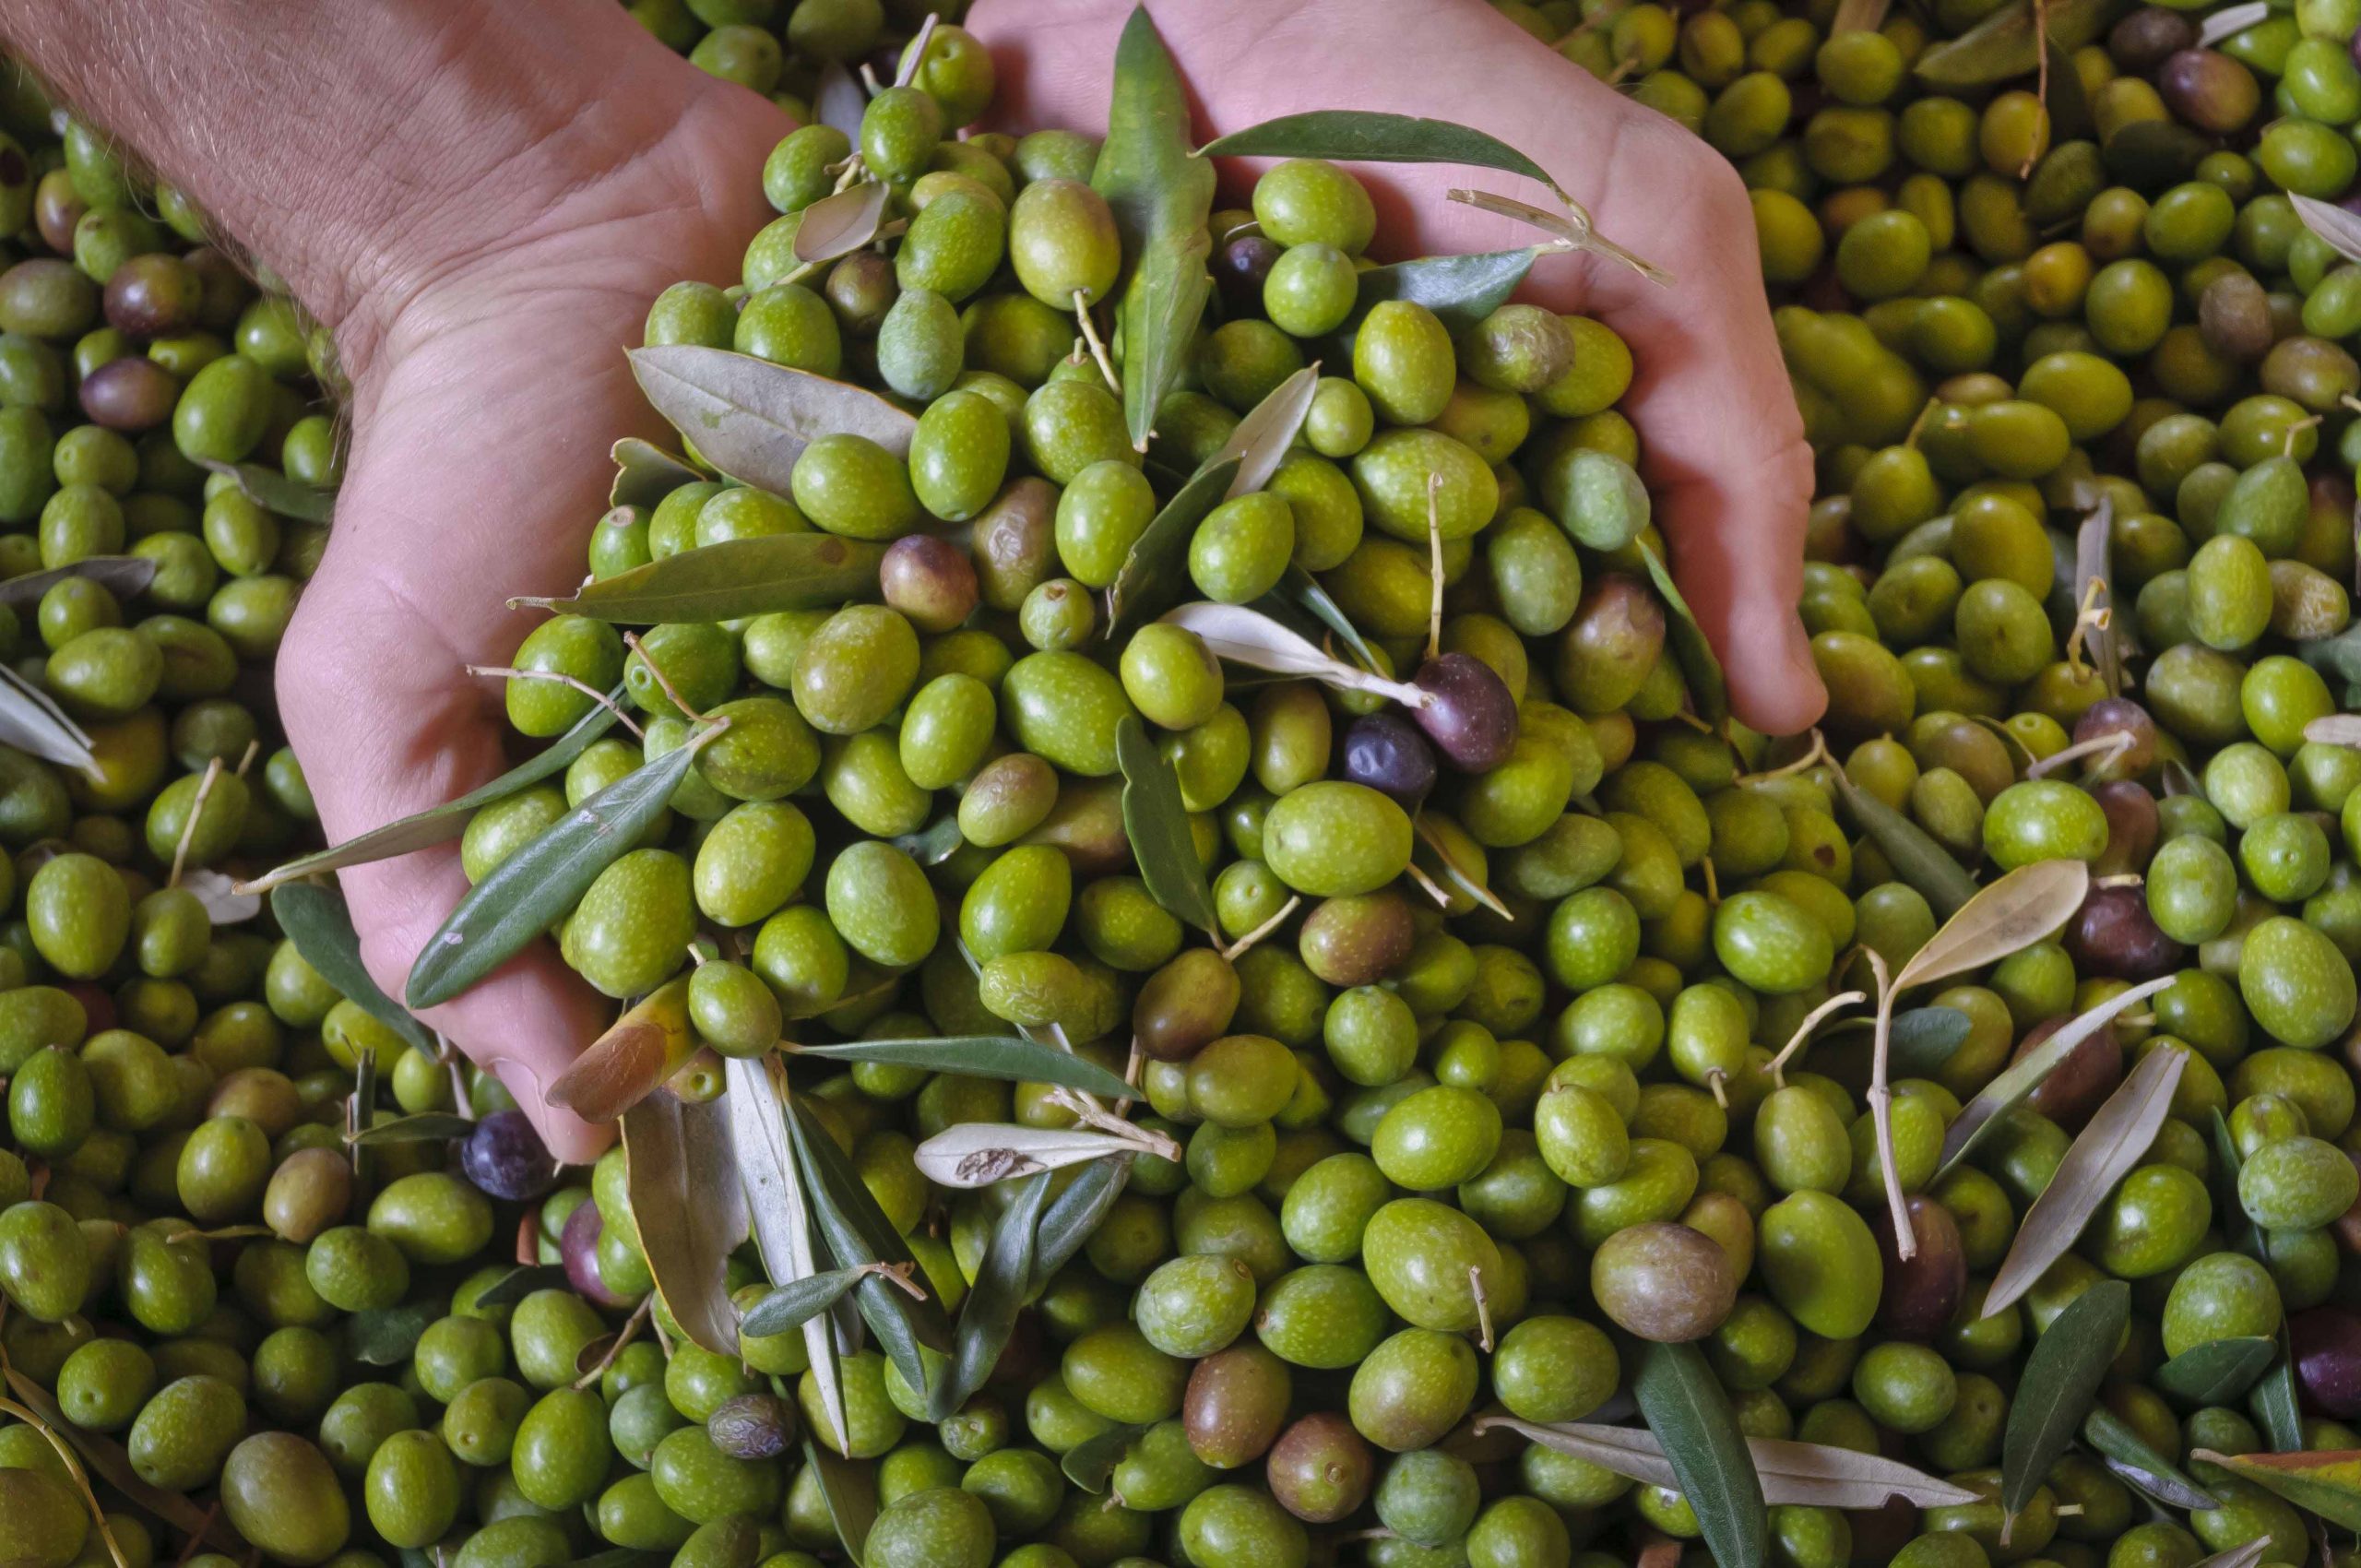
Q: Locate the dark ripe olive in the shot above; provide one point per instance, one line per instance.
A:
(1391, 755)
(1242, 267)
(1015, 543)
(2111, 717)
(158, 295)
(2147, 37)
(752, 1426)
(2131, 826)
(860, 288)
(506, 1158)
(2312, 371)
(1357, 939)
(1879, 1534)
(578, 1247)
(2327, 1346)
(1471, 717)
(1185, 1003)
(226, 292)
(129, 394)
(2233, 315)
(2209, 90)
(930, 580)
(2076, 1086)
(2114, 936)
(56, 211)
(1321, 1470)
(1235, 1402)
(1922, 1293)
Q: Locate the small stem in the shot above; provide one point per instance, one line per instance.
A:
(869, 78)
(1468, 885)
(1712, 884)
(899, 1273)
(2115, 742)
(917, 58)
(74, 1468)
(2041, 96)
(588, 690)
(1906, 1240)
(2121, 879)
(1236, 949)
(663, 681)
(1090, 336)
(1483, 1308)
(1803, 1030)
(629, 1332)
(195, 815)
(1812, 758)
(529, 1238)
(1918, 425)
(1427, 885)
(2287, 438)
(1718, 1081)
(253, 750)
(1434, 567)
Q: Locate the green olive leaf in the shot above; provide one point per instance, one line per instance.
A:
(1011, 1057)
(1074, 1214)
(1460, 290)
(989, 1315)
(2275, 1405)
(729, 580)
(1684, 1405)
(2216, 1372)
(520, 1282)
(1090, 1464)
(751, 419)
(1157, 822)
(274, 492)
(792, 1305)
(850, 1492)
(1302, 589)
(645, 473)
(1925, 1038)
(1154, 575)
(314, 919)
(2061, 1378)
(1918, 861)
(2021, 1076)
(2004, 45)
(426, 1127)
(2245, 1235)
(858, 1232)
(687, 1209)
(125, 576)
(778, 1210)
(527, 892)
(1367, 136)
(1701, 668)
(361, 1111)
(2069, 106)
(440, 824)
(2327, 1484)
(1162, 195)
(383, 1337)
(2129, 1456)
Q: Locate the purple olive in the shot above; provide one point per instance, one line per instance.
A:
(506, 1158)
(2079, 1084)
(1391, 755)
(2114, 935)
(931, 580)
(157, 296)
(1921, 1295)
(577, 1246)
(2326, 1342)
(57, 211)
(2117, 716)
(2148, 37)
(129, 394)
(1242, 265)
(1471, 718)
(2209, 90)
(2131, 826)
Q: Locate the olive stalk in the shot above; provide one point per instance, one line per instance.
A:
(1906, 1240)
(73, 1467)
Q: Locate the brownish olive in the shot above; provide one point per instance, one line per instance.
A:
(2112, 935)
(1357, 939)
(1922, 1292)
(2076, 1086)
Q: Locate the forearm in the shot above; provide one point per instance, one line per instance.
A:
(359, 146)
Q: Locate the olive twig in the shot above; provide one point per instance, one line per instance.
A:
(1090, 336)
(1434, 565)
(1237, 949)
(601, 698)
(1813, 757)
(2115, 742)
(253, 750)
(622, 1336)
(1811, 1020)
(2040, 94)
(195, 815)
(74, 1468)
(663, 681)
(1880, 1097)
(1427, 885)
(2287, 437)
(911, 61)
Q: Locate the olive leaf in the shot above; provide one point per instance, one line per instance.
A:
(2249, 1555)
(2005, 44)
(1157, 822)
(687, 1210)
(792, 1305)
(2244, 1234)
(32, 722)
(1074, 1214)
(2102, 1155)
(2276, 1406)
(523, 896)
(2021, 1077)
(2335, 730)
(850, 1492)
(1922, 864)
(1011, 1057)
(1260, 440)
(779, 1212)
(439, 825)
(1301, 588)
(1460, 290)
(2061, 1378)
(989, 1315)
(274, 492)
(1684, 1405)
(361, 1111)
(2232, 19)
(729, 580)
(645, 473)
(125, 576)
(2330, 222)
(385, 1336)
(2326, 1483)
(224, 903)
(935, 843)
(2130, 1456)
(1809, 1473)
(839, 100)
(840, 224)
(1090, 1464)
(1701, 668)
(2094, 575)
(2069, 106)
(314, 918)
(1249, 637)
(520, 1282)
(638, 1052)
(1154, 575)
(2216, 1372)
(426, 1127)
(1367, 136)
(752, 417)
(1925, 1038)
(2013, 913)
(977, 1154)
(111, 1464)
(857, 1232)
(1162, 195)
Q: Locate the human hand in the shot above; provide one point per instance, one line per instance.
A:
(1722, 444)
(489, 381)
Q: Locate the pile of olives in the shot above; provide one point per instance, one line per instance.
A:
(1464, 1103)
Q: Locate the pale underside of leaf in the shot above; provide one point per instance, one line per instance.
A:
(122, 575)
(689, 1210)
(2094, 575)
(32, 722)
(1793, 1473)
(1252, 638)
(2335, 730)
(775, 1209)
(840, 224)
(2020, 1078)
(1260, 442)
(752, 417)
(645, 473)
(2232, 19)
(2341, 229)
(2013, 913)
(2247, 1556)
(224, 903)
(976, 1154)
(2106, 1152)
(839, 100)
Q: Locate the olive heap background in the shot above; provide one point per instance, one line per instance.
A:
(1484, 1129)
